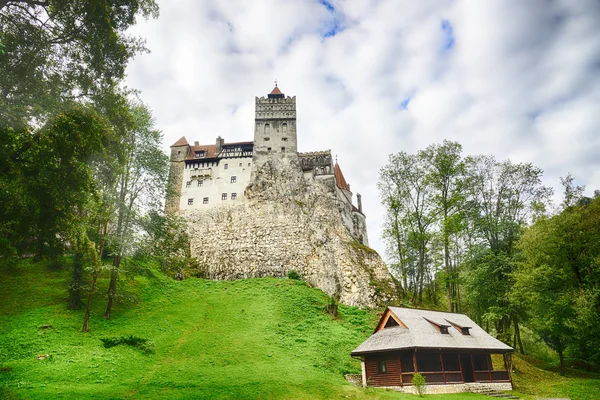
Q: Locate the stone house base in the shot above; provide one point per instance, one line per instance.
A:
(474, 387)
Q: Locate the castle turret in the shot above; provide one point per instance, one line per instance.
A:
(179, 152)
(275, 127)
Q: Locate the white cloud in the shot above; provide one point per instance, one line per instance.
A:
(520, 80)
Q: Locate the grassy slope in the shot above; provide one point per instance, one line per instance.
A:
(258, 338)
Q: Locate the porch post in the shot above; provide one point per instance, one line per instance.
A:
(364, 372)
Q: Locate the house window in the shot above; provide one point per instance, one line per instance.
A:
(200, 182)
(224, 196)
(480, 362)
(450, 361)
(233, 178)
(381, 367)
(205, 200)
(233, 196)
(199, 154)
(428, 362)
(226, 166)
(190, 202)
(406, 362)
(188, 184)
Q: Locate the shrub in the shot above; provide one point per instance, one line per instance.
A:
(293, 275)
(143, 344)
(419, 381)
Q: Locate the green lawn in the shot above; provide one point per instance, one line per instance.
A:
(249, 339)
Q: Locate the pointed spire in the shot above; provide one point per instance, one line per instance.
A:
(181, 142)
(276, 93)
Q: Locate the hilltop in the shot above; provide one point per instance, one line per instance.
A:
(263, 338)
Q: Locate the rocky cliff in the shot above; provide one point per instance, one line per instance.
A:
(288, 224)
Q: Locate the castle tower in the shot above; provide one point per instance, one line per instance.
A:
(275, 127)
(179, 152)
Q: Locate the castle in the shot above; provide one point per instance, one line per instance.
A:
(260, 208)
(208, 176)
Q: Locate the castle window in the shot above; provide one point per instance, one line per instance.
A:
(199, 154)
(205, 200)
(233, 196)
(224, 196)
(200, 182)
(188, 184)
(226, 166)
(284, 127)
(179, 152)
(268, 149)
(283, 149)
(284, 139)
(267, 139)
(233, 179)
(190, 202)
(267, 128)
(240, 164)
(248, 164)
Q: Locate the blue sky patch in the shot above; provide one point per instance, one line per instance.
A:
(327, 5)
(404, 103)
(448, 35)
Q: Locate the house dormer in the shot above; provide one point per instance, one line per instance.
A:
(441, 328)
(462, 329)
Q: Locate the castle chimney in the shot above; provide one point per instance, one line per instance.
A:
(359, 201)
(220, 142)
(196, 143)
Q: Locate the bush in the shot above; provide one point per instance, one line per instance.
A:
(293, 275)
(143, 344)
(419, 381)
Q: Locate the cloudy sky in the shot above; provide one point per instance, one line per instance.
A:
(517, 79)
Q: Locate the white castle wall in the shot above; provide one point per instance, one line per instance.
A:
(214, 185)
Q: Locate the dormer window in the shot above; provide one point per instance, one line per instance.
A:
(199, 154)
(441, 328)
(462, 329)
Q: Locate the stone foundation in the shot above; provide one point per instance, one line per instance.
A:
(474, 387)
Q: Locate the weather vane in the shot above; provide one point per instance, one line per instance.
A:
(275, 82)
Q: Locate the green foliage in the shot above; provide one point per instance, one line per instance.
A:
(143, 344)
(419, 381)
(292, 274)
(558, 281)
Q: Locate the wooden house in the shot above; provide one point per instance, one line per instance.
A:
(449, 350)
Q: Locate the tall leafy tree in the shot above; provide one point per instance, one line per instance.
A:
(446, 174)
(139, 186)
(558, 279)
(503, 199)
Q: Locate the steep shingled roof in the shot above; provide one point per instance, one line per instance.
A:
(275, 91)
(339, 177)
(420, 333)
(181, 142)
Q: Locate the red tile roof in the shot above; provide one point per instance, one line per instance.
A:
(339, 177)
(211, 152)
(275, 91)
(181, 142)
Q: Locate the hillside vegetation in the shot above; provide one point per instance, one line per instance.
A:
(248, 339)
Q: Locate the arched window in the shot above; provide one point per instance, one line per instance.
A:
(284, 127)
(267, 128)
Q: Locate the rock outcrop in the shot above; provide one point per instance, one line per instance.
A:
(289, 223)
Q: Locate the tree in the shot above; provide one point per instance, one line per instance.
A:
(503, 198)
(447, 178)
(558, 279)
(406, 193)
(57, 51)
(140, 184)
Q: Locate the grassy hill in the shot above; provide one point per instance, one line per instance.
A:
(249, 339)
